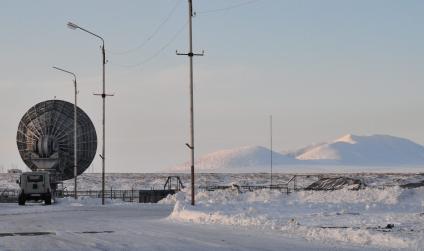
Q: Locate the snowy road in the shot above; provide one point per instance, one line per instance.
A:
(74, 226)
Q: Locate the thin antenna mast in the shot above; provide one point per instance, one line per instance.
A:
(190, 54)
(270, 131)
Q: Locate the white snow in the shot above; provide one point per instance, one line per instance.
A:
(367, 150)
(348, 138)
(343, 216)
(322, 152)
(247, 158)
(225, 220)
(86, 225)
(346, 154)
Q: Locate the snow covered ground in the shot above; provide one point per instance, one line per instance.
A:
(86, 225)
(226, 219)
(392, 218)
(126, 181)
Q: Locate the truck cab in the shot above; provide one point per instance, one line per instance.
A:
(35, 186)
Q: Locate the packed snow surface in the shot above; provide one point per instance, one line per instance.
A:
(85, 224)
(363, 217)
(225, 219)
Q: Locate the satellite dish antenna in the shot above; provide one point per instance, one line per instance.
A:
(45, 139)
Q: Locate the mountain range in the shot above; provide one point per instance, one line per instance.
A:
(349, 151)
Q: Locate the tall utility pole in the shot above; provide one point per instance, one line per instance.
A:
(103, 95)
(75, 140)
(190, 54)
(270, 132)
(75, 128)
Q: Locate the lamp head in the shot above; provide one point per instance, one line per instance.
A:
(72, 26)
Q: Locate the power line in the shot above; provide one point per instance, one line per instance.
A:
(157, 53)
(153, 34)
(175, 36)
(227, 8)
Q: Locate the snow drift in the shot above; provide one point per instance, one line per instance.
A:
(356, 217)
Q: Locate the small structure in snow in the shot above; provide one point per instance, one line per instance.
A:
(413, 185)
(14, 170)
(336, 183)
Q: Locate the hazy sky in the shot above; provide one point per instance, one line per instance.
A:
(321, 68)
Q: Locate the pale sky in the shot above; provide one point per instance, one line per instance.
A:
(321, 68)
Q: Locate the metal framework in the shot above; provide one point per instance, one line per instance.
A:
(45, 138)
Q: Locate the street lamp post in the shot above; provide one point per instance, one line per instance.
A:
(75, 128)
(103, 95)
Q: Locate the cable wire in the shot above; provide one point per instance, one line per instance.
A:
(227, 8)
(153, 34)
(175, 36)
(158, 52)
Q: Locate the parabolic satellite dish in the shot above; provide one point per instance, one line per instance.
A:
(45, 138)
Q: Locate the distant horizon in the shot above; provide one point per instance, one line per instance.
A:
(407, 172)
(286, 152)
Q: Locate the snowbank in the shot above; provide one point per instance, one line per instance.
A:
(358, 217)
(336, 183)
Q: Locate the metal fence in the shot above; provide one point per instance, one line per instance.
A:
(141, 196)
(295, 183)
(125, 195)
(172, 185)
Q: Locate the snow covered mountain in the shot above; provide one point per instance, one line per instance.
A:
(349, 150)
(366, 150)
(248, 158)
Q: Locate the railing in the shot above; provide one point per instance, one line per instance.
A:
(172, 185)
(246, 188)
(141, 196)
(290, 186)
(178, 185)
(293, 180)
(125, 195)
(132, 195)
